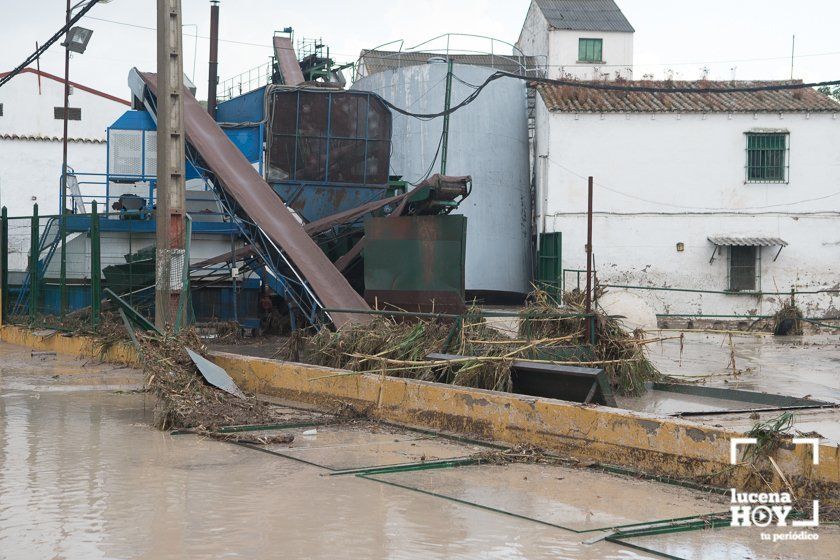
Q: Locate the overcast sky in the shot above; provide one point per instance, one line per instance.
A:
(750, 38)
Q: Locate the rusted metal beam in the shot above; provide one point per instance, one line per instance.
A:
(213, 81)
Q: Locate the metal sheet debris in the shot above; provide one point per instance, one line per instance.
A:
(215, 376)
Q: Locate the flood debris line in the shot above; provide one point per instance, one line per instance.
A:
(184, 398)
(621, 353)
(770, 436)
(787, 321)
(547, 333)
(240, 437)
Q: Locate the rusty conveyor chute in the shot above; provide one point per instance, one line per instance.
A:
(258, 201)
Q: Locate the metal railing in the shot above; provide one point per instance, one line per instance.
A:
(251, 79)
(502, 54)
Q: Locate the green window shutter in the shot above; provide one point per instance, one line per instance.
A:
(590, 50)
(767, 157)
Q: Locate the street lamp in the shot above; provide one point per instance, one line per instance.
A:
(75, 40)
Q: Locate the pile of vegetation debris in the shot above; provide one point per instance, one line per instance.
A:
(184, 399)
(547, 333)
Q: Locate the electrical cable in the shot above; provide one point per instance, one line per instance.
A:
(603, 86)
(684, 207)
(49, 42)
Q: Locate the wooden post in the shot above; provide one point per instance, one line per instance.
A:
(169, 215)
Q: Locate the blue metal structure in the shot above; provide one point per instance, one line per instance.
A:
(322, 150)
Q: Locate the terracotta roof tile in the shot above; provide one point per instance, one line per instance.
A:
(703, 98)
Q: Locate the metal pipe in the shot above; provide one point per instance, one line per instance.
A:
(95, 266)
(213, 80)
(4, 266)
(723, 292)
(63, 197)
(450, 315)
(589, 258)
(447, 105)
(33, 263)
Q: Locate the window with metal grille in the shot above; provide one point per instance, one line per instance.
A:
(744, 268)
(73, 113)
(590, 50)
(767, 157)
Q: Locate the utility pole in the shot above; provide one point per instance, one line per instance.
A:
(62, 219)
(213, 81)
(169, 214)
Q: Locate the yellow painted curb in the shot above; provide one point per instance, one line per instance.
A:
(54, 341)
(654, 445)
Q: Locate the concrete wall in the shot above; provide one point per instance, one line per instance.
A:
(663, 179)
(31, 167)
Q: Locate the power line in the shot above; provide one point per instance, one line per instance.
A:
(683, 207)
(603, 86)
(146, 27)
(49, 42)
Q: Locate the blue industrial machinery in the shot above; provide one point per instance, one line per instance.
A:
(327, 150)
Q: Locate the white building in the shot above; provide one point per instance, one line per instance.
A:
(584, 39)
(737, 194)
(31, 130)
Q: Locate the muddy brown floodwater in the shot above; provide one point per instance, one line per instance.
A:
(83, 475)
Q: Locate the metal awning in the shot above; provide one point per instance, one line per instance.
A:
(729, 241)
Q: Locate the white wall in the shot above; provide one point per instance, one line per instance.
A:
(617, 55)
(537, 38)
(662, 179)
(32, 168)
(533, 39)
(30, 172)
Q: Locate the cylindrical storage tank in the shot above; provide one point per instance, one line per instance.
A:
(488, 140)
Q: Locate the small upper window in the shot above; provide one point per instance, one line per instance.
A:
(767, 157)
(1, 109)
(73, 113)
(590, 50)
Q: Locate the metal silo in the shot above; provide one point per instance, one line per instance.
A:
(488, 139)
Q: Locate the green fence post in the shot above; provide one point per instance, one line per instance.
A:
(62, 287)
(4, 264)
(95, 267)
(33, 264)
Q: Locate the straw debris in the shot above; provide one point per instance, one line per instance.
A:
(184, 399)
(547, 333)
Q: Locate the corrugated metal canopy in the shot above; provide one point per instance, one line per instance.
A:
(729, 241)
(584, 15)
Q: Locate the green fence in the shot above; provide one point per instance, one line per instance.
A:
(55, 269)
